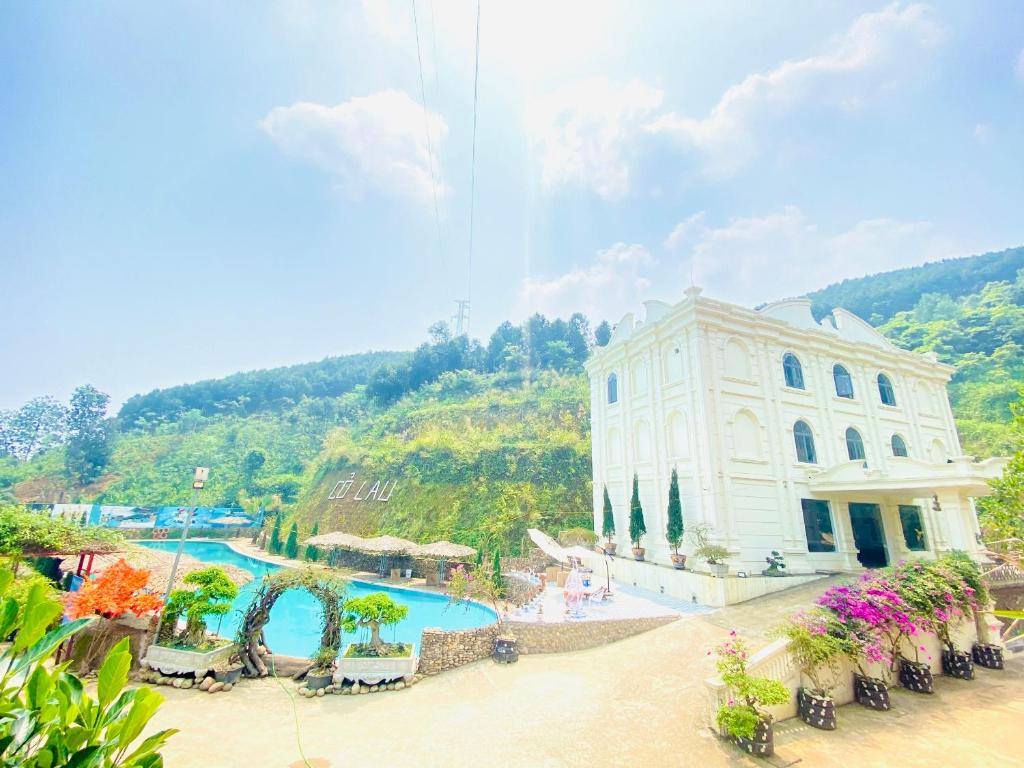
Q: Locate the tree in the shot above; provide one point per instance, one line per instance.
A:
(38, 425)
(557, 355)
(496, 569)
(51, 718)
(675, 530)
(439, 333)
(1002, 514)
(637, 526)
(291, 547)
(608, 520)
(375, 611)
(275, 536)
(212, 596)
(603, 334)
(312, 553)
(251, 464)
(88, 449)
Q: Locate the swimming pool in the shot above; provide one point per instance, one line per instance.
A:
(294, 628)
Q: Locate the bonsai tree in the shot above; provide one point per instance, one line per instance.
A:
(375, 611)
(291, 547)
(52, 719)
(312, 554)
(776, 564)
(637, 526)
(712, 554)
(275, 536)
(212, 596)
(675, 530)
(748, 695)
(608, 518)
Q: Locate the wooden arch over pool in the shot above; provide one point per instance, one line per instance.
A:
(327, 588)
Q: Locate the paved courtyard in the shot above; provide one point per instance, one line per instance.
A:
(640, 701)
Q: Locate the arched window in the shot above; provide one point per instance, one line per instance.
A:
(793, 371)
(885, 390)
(613, 389)
(899, 446)
(804, 440)
(844, 384)
(939, 455)
(854, 445)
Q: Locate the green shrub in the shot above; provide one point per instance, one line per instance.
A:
(577, 537)
(291, 547)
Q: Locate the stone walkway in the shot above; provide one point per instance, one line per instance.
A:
(640, 701)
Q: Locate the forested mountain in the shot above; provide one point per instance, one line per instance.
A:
(876, 298)
(274, 389)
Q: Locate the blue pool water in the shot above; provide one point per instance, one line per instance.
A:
(294, 628)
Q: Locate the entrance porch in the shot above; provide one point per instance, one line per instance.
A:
(910, 509)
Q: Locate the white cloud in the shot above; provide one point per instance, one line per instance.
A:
(1018, 69)
(610, 287)
(760, 258)
(586, 133)
(685, 230)
(377, 141)
(983, 133)
(872, 55)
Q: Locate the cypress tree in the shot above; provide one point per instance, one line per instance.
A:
(479, 558)
(496, 568)
(275, 536)
(675, 531)
(608, 522)
(312, 553)
(291, 547)
(637, 526)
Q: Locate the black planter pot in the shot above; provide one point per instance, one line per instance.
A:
(958, 664)
(871, 692)
(763, 743)
(316, 682)
(230, 676)
(505, 652)
(988, 656)
(916, 677)
(816, 711)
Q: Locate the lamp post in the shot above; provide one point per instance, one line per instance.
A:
(198, 481)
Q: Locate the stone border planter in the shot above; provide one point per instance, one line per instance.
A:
(916, 676)
(372, 671)
(719, 570)
(871, 692)
(816, 711)
(177, 661)
(987, 655)
(958, 664)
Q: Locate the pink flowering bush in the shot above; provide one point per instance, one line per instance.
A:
(748, 695)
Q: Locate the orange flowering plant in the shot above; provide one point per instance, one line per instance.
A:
(119, 589)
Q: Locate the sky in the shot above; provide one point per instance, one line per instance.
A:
(189, 189)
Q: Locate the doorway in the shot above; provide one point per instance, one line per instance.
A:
(868, 534)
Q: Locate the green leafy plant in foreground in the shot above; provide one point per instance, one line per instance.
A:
(748, 695)
(47, 719)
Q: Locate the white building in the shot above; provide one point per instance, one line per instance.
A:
(820, 440)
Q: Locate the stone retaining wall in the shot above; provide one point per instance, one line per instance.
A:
(446, 649)
(562, 637)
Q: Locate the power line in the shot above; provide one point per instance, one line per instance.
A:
(426, 127)
(472, 173)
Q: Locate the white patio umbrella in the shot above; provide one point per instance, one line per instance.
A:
(548, 546)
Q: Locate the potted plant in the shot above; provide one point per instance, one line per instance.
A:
(608, 524)
(714, 555)
(816, 648)
(637, 526)
(322, 672)
(776, 564)
(874, 621)
(964, 590)
(190, 650)
(744, 717)
(374, 661)
(676, 529)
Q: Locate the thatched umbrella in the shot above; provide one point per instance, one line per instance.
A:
(442, 551)
(336, 540)
(158, 563)
(386, 546)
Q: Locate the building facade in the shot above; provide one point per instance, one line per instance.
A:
(822, 441)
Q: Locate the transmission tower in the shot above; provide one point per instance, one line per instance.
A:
(461, 317)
